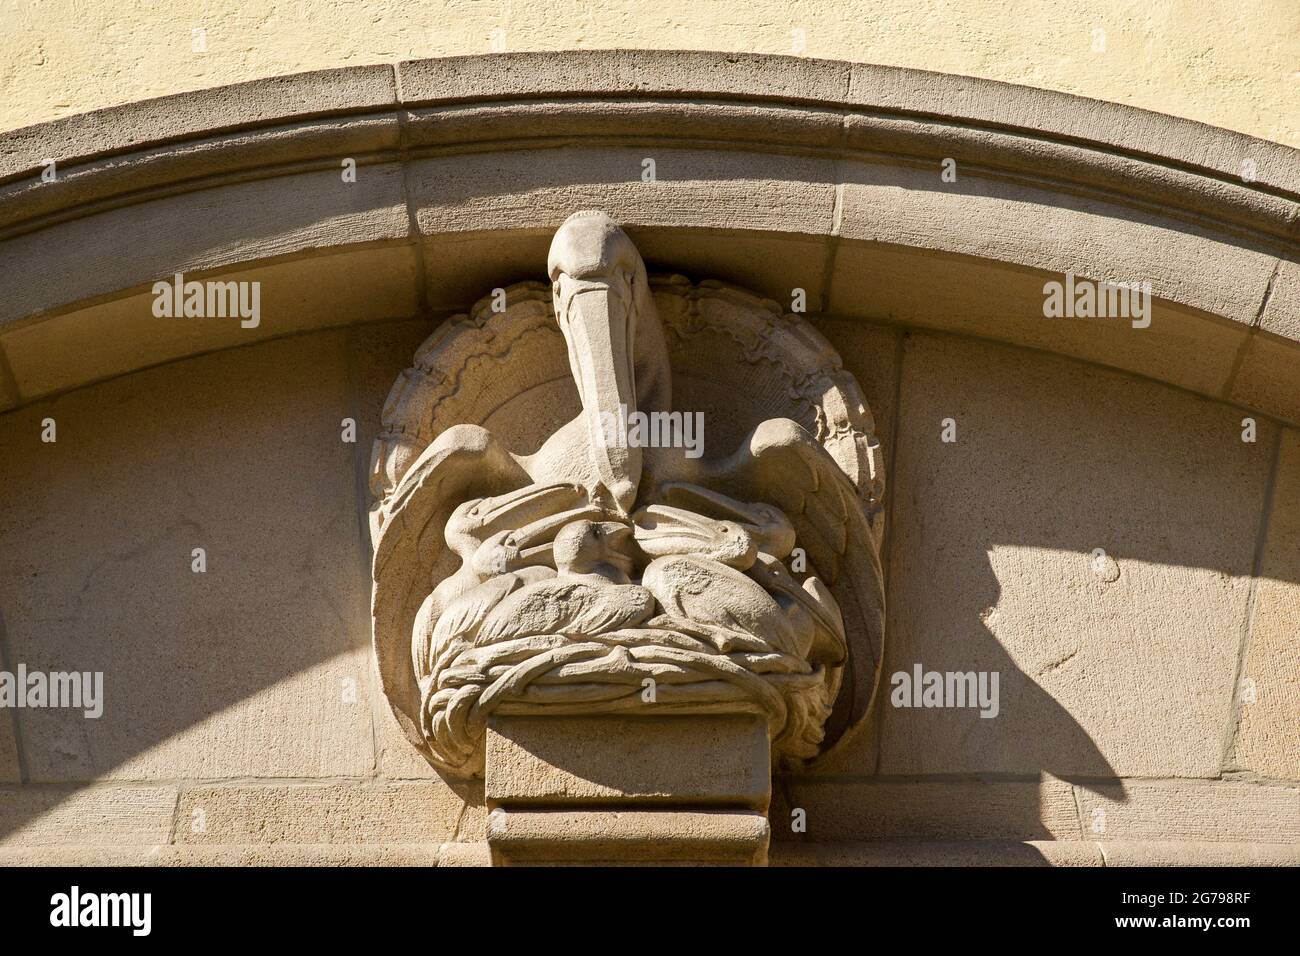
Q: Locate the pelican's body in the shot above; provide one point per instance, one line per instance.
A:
(585, 470)
(708, 592)
(575, 609)
(589, 594)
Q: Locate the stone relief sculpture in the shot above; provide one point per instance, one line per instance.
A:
(527, 561)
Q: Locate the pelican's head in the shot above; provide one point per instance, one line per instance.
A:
(595, 548)
(516, 529)
(662, 530)
(477, 519)
(771, 529)
(591, 246)
(603, 306)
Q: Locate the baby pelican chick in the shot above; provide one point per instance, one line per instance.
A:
(591, 595)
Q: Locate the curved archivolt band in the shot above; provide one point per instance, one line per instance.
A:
(503, 375)
(821, 175)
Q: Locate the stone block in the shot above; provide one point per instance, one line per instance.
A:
(696, 760)
(621, 837)
(299, 295)
(336, 812)
(198, 112)
(1269, 377)
(257, 854)
(973, 853)
(1267, 739)
(622, 72)
(998, 219)
(949, 810)
(94, 816)
(1166, 853)
(258, 665)
(1190, 811)
(530, 189)
(131, 247)
(1118, 662)
(1050, 115)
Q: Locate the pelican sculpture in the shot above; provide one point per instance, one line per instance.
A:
(594, 564)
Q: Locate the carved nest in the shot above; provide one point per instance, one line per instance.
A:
(654, 669)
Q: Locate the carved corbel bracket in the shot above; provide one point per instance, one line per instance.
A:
(633, 504)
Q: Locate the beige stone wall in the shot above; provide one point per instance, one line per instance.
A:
(1125, 675)
(1150, 696)
(1227, 64)
(243, 722)
(241, 703)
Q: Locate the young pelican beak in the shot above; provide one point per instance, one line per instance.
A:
(662, 530)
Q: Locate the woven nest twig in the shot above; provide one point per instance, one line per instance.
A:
(606, 673)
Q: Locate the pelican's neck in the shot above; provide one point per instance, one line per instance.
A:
(600, 298)
(597, 328)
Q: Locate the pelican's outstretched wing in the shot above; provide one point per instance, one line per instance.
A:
(464, 462)
(781, 464)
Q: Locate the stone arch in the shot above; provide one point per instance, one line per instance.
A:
(772, 172)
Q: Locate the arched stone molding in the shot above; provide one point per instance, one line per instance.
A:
(774, 173)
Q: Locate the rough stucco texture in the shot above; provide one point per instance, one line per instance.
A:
(1231, 65)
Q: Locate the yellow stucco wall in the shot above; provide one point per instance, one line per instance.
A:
(1232, 64)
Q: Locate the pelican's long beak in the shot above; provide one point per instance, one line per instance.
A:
(594, 268)
(675, 527)
(663, 530)
(774, 532)
(595, 324)
(531, 503)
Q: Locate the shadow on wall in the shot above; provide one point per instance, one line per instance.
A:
(1085, 535)
(243, 671)
(256, 667)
